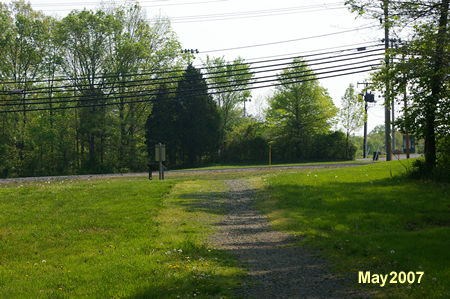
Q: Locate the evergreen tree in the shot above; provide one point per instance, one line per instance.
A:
(200, 119)
(163, 124)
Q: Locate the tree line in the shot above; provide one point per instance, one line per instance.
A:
(95, 91)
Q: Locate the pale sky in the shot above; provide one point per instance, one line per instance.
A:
(209, 25)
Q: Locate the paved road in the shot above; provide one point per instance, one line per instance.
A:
(172, 172)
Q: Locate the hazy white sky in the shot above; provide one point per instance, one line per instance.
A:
(209, 25)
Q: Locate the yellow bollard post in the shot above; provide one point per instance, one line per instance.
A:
(270, 155)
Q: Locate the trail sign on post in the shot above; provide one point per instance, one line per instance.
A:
(160, 156)
(160, 152)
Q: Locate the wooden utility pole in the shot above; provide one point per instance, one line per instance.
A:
(387, 94)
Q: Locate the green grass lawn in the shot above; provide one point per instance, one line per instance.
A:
(368, 218)
(111, 238)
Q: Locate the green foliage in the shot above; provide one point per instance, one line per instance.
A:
(297, 112)
(370, 218)
(199, 119)
(232, 74)
(246, 143)
(94, 50)
(351, 114)
(187, 123)
(422, 70)
(333, 146)
(163, 126)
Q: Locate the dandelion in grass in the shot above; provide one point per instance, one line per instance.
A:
(180, 251)
(392, 251)
(44, 261)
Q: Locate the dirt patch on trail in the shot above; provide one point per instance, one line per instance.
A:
(277, 268)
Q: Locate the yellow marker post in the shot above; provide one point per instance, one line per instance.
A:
(270, 155)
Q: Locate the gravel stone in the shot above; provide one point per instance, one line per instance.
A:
(276, 267)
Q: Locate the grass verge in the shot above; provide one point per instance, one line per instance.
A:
(368, 218)
(120, 237)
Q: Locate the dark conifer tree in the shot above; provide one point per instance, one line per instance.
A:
(163, 124)
(200, 119)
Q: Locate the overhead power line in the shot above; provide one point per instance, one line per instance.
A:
(152, 91)
(152, 100)
(366, 44)
(212, 75)
(232, 16)
(60, 78)
(289, 40)
(211, 85)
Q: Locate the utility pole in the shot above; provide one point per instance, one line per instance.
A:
(387, 93)
(394, 44)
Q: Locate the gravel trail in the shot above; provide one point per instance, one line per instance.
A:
(276, 267)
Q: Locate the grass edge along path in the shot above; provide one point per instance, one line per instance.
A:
(367, 218)
(120, 237)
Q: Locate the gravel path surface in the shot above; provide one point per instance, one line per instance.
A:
(277, 268)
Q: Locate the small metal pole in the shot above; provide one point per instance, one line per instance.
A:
(149, 171)
(365, 131)
(161, 175)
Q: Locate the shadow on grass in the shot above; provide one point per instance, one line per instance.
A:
(385, 225)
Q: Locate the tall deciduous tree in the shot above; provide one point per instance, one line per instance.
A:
(427, 65)
(299, 109)
(351, 114)
(137, 46)
(227, 81)
(23, 42)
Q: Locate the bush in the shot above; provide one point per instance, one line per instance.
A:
(322, 147)
(332, 147)
(246, 144)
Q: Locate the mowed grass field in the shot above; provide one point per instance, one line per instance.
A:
(111, 238)
(132, 238)
(368, 218)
